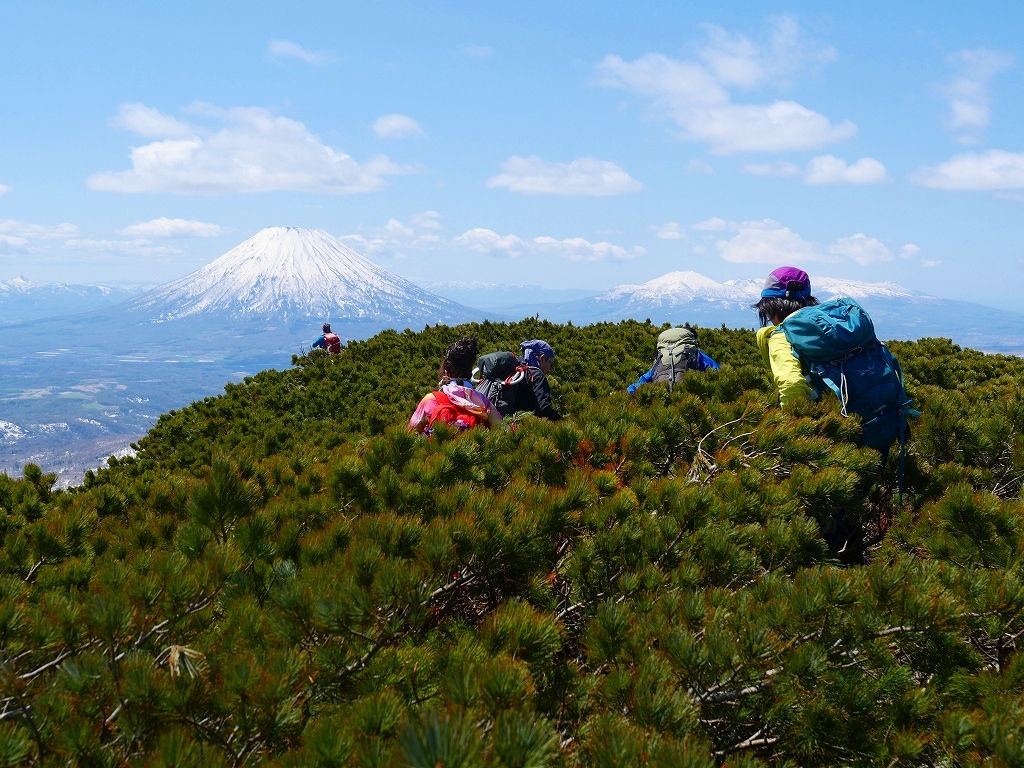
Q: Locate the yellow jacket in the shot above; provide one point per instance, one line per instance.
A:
(785, 366)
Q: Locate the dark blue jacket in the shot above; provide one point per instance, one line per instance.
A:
(703, 363)
(320, 343)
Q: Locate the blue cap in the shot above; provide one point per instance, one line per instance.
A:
(534, 348)
(787, 283)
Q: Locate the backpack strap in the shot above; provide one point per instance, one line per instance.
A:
(520, 373)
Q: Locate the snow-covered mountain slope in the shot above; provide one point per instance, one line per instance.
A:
(287, 273)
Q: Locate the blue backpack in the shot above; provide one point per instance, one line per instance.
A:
(836, 342)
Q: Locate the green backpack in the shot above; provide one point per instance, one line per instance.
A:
(677, 354)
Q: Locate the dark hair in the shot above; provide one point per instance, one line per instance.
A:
(327, 328)
(460, 357)
(777, 306)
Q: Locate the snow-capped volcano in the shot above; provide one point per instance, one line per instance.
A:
(287, 273)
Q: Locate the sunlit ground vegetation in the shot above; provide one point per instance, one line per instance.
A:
(284, 576)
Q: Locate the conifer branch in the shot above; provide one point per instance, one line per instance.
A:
(57, 661)
(34, 569)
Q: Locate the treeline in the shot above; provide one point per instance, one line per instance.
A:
(284, 576)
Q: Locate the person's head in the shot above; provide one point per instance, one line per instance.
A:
(786, 290)
(459, 358)
(538, 354)
(327, 327)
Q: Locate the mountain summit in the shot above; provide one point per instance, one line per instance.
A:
(288, 273)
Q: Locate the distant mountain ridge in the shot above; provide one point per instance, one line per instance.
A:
(898, 312)
(24, 300)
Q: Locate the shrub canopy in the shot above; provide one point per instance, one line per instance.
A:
(283, 575)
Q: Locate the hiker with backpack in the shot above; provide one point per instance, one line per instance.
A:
(455, 402)
(327, 340)
(514, 384)
(677, 353)
(812, 348)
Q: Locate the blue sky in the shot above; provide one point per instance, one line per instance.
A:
(581, 145)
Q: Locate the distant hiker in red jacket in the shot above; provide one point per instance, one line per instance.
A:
(455, 402)
(327, 340)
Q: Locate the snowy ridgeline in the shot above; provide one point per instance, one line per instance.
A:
(23, 301)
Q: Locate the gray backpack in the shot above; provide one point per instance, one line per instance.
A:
(677, 354)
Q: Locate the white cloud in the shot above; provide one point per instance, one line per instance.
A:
(575, 249)
(397, 229)
(912, 251)
(478, 51)
(780, 168)
(714, 224)
(36, 231)
(583, 176)
(768, 242)
(488, 241)
(254, 150)
(150, 123)
(4, 189)
(695, 95)
(970, 99)
(13, 243)
(670, 230)
(426, 220)
(580, 250)
(420, 233)
(736, 60)
(396, 127)
(395, 237)
(286, 49)
(828, 169)
(862, 249)
(991, 170)
(164, 227)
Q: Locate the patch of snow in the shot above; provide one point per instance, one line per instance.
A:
(11, 431)
(52, 429)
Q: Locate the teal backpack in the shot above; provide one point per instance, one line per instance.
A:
(836, 342)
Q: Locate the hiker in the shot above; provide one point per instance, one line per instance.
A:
(455, 402)
(812, 348)
(534, 393)
(327, 340)
(516, 384)
(786, 290)
(677, 353)
(500, 374)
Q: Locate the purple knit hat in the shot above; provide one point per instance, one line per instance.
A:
(787, 283)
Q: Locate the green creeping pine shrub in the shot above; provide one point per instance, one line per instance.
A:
(285, 576)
